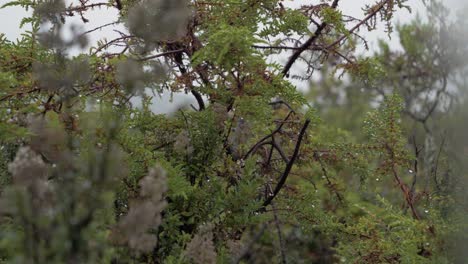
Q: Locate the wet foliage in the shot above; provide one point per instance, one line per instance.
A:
(366, 166)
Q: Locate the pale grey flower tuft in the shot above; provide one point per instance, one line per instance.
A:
(183, 143)
(201, 249)
(159, 20)
(144, 215)
(27, 167)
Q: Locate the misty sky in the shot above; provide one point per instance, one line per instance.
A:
(11, 18)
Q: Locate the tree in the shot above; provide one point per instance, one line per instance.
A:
(255, 172)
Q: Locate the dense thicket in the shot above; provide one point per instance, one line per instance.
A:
(366, 166)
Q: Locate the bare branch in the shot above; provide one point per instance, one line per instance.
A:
(161, 54)
(306, 45)
(374, 12)
(288, 168)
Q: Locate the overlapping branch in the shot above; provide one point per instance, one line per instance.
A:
(289, 165)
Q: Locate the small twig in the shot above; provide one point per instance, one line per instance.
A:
(160, 54)
(259, 143)
(325, 174)
(100, 27)
(112, 42)
(273, 145)
(183, 71)
(164, 145)
(278, 228)
(415, 166)
(404, 189)
(280, 151)
(374, 12)
(282, 102)
(84, 7)
(285, 47)
(436, 165)
(18, 93)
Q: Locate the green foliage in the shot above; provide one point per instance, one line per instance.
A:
(228, 46)
(388, 237)
(290, 22)
(368, 70)
(259, 172)
(334, 17)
